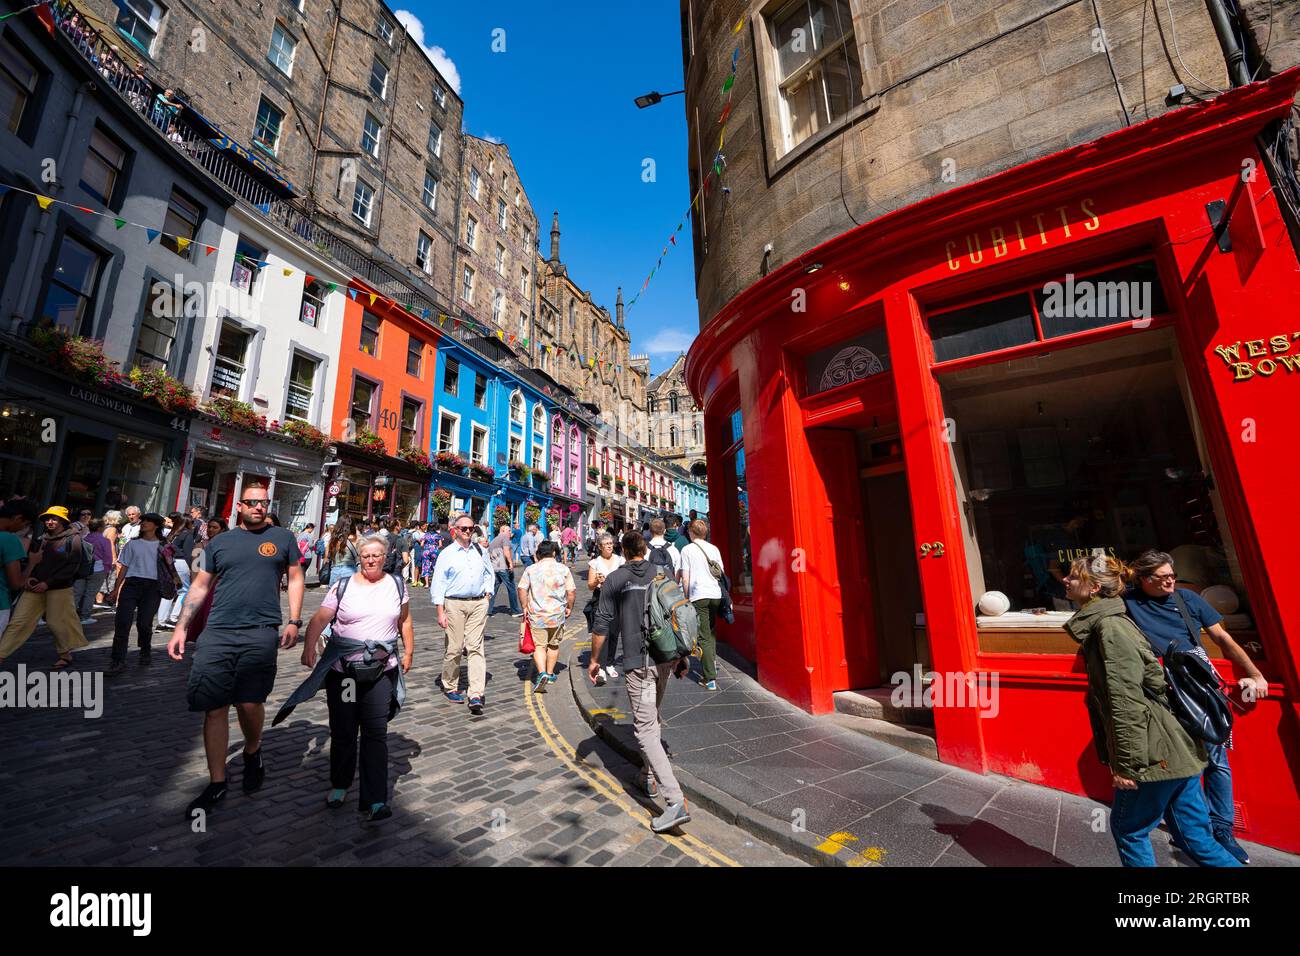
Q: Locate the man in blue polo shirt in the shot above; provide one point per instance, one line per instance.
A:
(1154, 606)
(462, 580)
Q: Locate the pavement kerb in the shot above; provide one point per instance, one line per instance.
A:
(772, 830)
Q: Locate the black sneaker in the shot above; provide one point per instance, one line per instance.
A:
(476, 705)
(1229, 842)
(254, 771)
(146, 658)
(206, 801)
(116, 667)
(377, 815)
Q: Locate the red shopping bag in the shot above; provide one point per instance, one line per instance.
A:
(526, 645)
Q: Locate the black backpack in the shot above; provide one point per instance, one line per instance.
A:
(660, 556)
(393, 559)
(1196, 695)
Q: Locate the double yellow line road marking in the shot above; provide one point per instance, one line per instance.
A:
(606, 785)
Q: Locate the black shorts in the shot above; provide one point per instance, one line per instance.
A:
(233, 666)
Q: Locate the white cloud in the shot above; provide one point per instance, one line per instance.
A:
(667, 342)
(493, 139)
(435, 53)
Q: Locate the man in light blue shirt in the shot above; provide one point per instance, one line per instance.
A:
(528, 545)
(462, 581)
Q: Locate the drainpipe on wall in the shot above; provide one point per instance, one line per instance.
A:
(1238, 74)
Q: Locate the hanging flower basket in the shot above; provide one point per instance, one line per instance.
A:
(593, 473)
(441, 501)
(541, 478)
(481, 472)
(414, 456)
(607, 515)
(168, 393)
(236, 414)
(521, 471)
(450, 461)
(619, 485)
(532, 512)
(305, 434)
(369, 442)
(79, 358)
(501, 516)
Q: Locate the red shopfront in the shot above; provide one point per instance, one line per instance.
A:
(1060, 358)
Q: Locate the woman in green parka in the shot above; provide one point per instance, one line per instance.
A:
(1154, 765)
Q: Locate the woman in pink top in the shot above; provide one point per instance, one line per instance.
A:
(375, 608)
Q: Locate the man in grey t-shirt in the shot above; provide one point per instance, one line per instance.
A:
(500, 553)
(235, 661)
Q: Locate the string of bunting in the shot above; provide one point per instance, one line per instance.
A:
(719, 162)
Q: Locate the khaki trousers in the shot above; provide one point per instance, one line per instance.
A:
(645, 692)
(465, 623)
(60, 612)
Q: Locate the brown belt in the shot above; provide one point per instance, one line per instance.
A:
(479, 598)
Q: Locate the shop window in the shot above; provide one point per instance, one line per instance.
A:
(138, 472)
(180, 223)
(480, 390)
(302, 383)
(363, 400)
(538, 458)
(357, 498)
(369, 343)
(1094, 448)
(736, 490)
(266, 129)
(139, 21)
(25, 459)
(1129, 293)
(478, 449)
(858, 358)
(313, 303)
(814, 66)
(102, 171)
(18, 78)
(448, 432)
(516, 448)
(409, 434)
(451, 376)
(69, 298)
(231, 362)
(249, 262)
(163, 310)
(406, 501)
(414, 357)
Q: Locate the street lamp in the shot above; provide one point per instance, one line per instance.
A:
(653, 97)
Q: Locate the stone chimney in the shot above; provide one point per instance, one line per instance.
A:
(555, 238)
(618, 307)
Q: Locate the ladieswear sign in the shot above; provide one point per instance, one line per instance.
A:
(1261, 357)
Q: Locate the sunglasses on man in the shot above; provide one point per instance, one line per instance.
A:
(254, 503)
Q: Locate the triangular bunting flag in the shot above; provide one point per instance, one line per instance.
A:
(353, 293)
(735, 58)
(726, 111)
(211, 249)
(152, 234)
(287, 272)
(425, 314)
(512, 339)
(673, 239)
(43, 14)
(309, 280)
(182, 244)
(333, 286)
(728, 82)
(119, 223)
(455, 325)
(739, 23)
(44, 200)
(372, 298)
(85, 209)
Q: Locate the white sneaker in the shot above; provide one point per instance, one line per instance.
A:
(610, 672)
(87, 620)
(600, 678)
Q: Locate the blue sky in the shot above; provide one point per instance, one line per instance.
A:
(560, 96)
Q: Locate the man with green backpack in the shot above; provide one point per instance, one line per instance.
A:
(652, 605)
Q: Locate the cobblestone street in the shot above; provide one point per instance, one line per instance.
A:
(506, 788)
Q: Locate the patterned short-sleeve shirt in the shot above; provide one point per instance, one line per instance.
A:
(547, 582)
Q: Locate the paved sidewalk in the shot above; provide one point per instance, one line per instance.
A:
(834, 796)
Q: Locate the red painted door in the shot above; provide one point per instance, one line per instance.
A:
(836, 563)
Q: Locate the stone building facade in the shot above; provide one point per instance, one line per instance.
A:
(335, 97)
(495, 268)
(676, 422)
(577, 343)
(941, 93)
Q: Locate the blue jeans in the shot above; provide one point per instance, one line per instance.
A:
(507, 578)
(340, 571)
(1218, 793)
(1135, 814)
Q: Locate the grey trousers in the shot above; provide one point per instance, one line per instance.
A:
(645, 692)
(84, 591)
